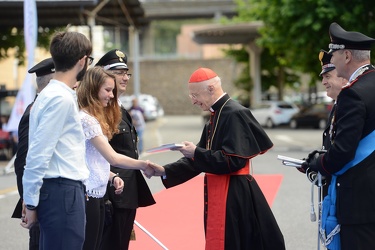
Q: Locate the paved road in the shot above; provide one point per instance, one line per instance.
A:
(291, 205)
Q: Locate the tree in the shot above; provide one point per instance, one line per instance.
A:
(273, 74)
(294, 31)
(14, 38)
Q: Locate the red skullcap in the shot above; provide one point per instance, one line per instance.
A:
(202, 74)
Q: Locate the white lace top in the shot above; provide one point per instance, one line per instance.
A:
(99, 167)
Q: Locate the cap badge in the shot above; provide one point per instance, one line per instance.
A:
(120, 55)
(321, 54)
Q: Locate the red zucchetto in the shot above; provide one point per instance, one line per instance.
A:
(202, 74)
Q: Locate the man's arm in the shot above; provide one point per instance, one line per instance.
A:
(46, 126)
(23, 144)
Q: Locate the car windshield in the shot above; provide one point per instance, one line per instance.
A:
(285, 106)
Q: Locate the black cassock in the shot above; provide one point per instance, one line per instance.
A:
(237, 215)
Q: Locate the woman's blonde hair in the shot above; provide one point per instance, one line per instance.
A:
(88, 99)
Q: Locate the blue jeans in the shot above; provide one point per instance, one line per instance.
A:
(61, 214)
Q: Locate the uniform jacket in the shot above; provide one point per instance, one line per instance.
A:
(20, 161)
(136, 191)
(327, 137)
(327, 133)
(354, 120)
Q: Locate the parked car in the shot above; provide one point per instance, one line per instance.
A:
(274, 113)
(303, 98)
(315, 116)
(150, 105)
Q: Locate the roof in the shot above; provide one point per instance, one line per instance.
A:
(241, 33)
(188, 9)
(59, 13)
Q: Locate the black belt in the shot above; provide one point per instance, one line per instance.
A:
(65, 181)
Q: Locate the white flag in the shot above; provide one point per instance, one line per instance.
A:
(27, 92)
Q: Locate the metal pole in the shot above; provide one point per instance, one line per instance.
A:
(135, 51)
(137, 85)
(149, 234)
(319, 206)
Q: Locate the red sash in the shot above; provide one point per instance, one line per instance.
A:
(217, 191)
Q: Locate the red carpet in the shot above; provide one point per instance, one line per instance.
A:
(176, 220)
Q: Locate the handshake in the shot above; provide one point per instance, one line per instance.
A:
(152, 169)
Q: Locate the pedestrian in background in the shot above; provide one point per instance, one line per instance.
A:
(138, 119)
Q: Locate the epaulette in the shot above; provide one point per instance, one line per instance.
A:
(361, 73)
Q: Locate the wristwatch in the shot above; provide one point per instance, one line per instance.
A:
(30, 207)
(113, 178)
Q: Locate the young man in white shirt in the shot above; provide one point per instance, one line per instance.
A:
(53, 190)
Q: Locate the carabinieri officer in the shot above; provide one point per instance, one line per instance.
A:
(351, 158)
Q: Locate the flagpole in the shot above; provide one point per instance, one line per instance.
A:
(26, 93)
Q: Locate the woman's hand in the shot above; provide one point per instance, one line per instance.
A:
(118, 183)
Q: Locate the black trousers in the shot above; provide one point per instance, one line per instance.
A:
(117, 235)
(94, 223)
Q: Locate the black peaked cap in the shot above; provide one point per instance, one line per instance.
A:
(114, 59)
(44, 67)
(342, 39)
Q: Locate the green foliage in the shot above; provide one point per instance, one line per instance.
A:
(14, 38)
(240, 55)
(294, 31)
(165, 36)
(166, 32)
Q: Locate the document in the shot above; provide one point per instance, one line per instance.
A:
(165, 147)
(289, 161)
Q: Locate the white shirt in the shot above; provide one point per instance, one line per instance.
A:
(216, 101)
(96, 184)
(56, 140)
(357, 73)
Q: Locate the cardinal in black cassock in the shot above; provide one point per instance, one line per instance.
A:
(236, 213)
